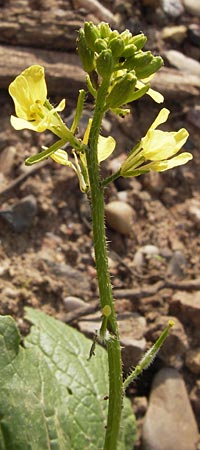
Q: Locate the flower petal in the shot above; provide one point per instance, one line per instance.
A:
(161, 118)
(106, 146)
(179, 160)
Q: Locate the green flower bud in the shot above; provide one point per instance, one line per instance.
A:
(117, 46)
(99, 45)
(138, 60)
(126, 36)
(86, 55)
(104, 30)
(139, 41)
(129, 50)
(113, 35)
(104, 63)
(149, 69)
(91, 34)
(121, 91)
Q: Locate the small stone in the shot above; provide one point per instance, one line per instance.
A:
(176, 33)
(172, 8)
(7, 159)
(177, 264)
(182, 62)
(186, 307)
(132, 327)
(192, 6)
(21, 215)
(71, 303)
(193, 361)
(120, 217)
(194, 33)
(169, 422)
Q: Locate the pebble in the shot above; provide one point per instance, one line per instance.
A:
(132, 327)
(172, 8)
(21, 215)
(194, 34)
(175, 346)
(193, 361)
(71, 303)
(182, 62)
(176, 33)
(120, 216)
(176, 264)
(169, 423)
(7, 157)
(186, 307)
(192, 6)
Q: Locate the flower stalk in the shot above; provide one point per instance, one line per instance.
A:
(105, 289)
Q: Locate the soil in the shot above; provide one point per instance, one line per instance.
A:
(52, 257)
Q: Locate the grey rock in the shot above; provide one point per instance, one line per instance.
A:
(21, 215)
(172, 8)
(182, 62)
(177, 264)
(186, 307)
(169, 423)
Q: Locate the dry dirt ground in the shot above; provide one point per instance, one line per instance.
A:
(49, 257)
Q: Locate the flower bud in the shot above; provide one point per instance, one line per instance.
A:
(121, 91)
(104, 30)
(138, 60)
(129, 50)
(100, 45)
(86, 55)
(104, 63)
(117, 46)
(139, 41)
(91, 34)
(149, 69)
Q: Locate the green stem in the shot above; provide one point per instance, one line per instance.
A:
(110, 179)
(105, 289)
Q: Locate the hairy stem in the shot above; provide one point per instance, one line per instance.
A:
(105, 290)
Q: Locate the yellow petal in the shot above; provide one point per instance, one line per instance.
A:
(179, 160)
(155, 95)
(21, 124)
(161, 118)
(106, 146)
(28, 88)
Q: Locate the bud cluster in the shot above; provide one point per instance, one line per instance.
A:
(117, 57)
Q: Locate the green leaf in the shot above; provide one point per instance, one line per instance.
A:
(51, 396)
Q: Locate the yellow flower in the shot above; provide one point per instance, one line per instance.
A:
(158, 147)
(33, 111)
